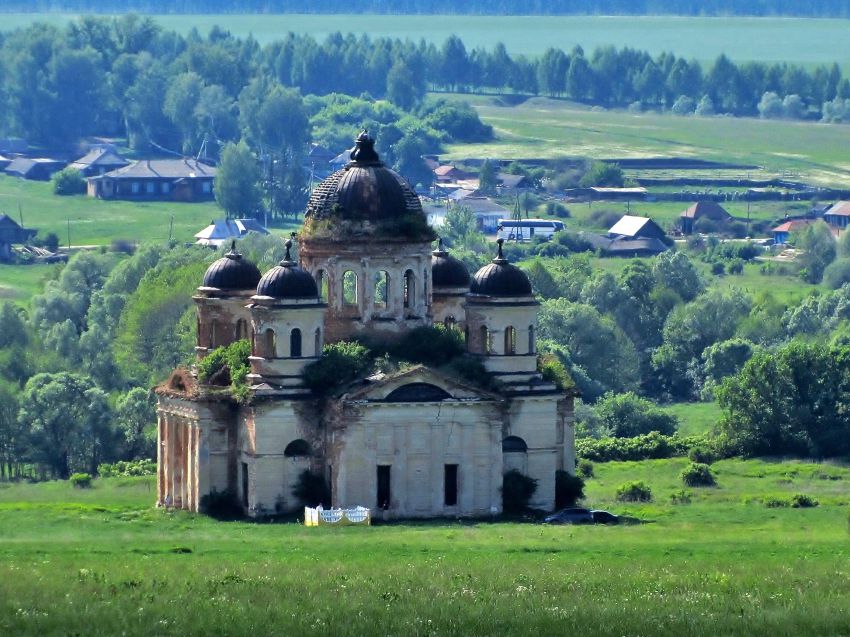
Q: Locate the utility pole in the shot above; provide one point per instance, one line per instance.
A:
(20, 214)
(170, 230)
(69, 233)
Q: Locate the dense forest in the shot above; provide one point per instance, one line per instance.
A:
(129, 78)
(812, 8)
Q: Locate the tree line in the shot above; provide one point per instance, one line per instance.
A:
(128, 77)
(812, 8)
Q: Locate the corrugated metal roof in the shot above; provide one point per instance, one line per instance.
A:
(163, 169)
(628, 225)
(223, 230)
(840, 209)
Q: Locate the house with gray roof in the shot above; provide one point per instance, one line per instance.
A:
(35, 168)
(156, 180)
(99, 161)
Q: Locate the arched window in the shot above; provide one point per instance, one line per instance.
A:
(322, 284)
(295, 343)
(514, 444)
(450, 322)
(484, 335)
(510, 341)
(269, 344)
(213, 333)
(531, 344)
(298, 448)
(409, 288)
(382, 288)
(514, 454)
(349, 288)
(241, 329)
(466, 337)
(317, 344)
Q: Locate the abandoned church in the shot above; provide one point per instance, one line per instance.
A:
(417, 442)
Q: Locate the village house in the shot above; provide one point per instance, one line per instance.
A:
(632, 227)
(418, 442)
(222, 231)
(838, 215)
(99, 160)
(782, 232)
(35, 168)
(10, 233)
(156, 179)
(710, 210)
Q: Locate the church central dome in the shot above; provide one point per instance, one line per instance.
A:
(366, 192)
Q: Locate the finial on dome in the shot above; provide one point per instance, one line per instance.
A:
(287, 259)
(500, 256)
(364, 149)
(440, 251)
(233, 254)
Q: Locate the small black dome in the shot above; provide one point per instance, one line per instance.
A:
(232, 272)
(365, 190)
(447, 271)
(288, 281)
(500, 278)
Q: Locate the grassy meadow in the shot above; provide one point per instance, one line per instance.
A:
(105, 562)
(542, 127)
(803, 41)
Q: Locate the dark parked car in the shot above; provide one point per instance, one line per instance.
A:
(570, 516)
(604, 517)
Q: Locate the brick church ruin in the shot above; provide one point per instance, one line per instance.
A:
(419, 442)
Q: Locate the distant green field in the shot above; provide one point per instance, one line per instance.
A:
(799, 40)
(105, 562)
(541, 127)
(95, 221)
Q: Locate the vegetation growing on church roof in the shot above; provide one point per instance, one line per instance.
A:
(438, 346)
(228, 366)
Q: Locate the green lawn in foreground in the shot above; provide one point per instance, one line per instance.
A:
(104, 562)
(541, 127)
(796, 40)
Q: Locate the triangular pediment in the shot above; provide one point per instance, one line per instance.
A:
(419, 384)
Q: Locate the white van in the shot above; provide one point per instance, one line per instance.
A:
(527, 229)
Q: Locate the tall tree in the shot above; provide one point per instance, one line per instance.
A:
(237, 180)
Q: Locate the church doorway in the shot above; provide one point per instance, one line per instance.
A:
(383, 499)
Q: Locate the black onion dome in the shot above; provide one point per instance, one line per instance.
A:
(365, 190)
(232, 272)
(500, 278)
(287, 281)
(447, 271)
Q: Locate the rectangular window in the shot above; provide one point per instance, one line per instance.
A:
(207, 187)
(245, 483)
(135, 187)
(150, 187)
(450, 484)
(384, 486)
(166, 187)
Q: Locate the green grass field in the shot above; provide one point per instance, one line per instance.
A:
(21, 282)
(798, 40)
(694, 418)
(542, 127)
(104, 562)
(95, 221)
